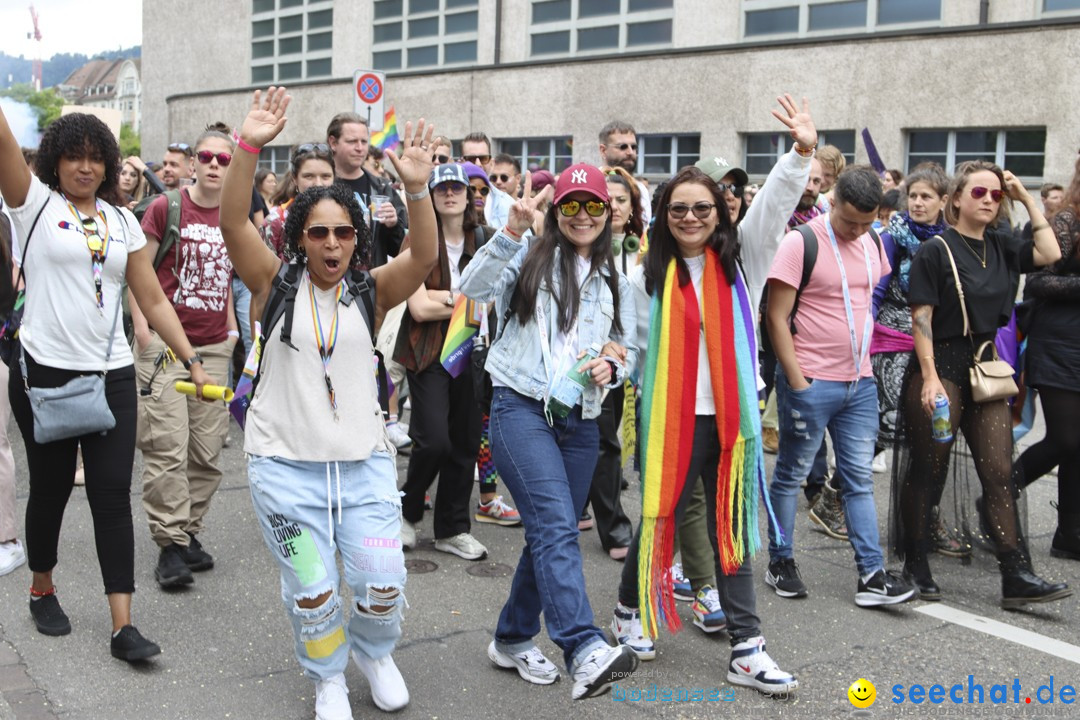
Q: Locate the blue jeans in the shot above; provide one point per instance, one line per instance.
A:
(548, 470)
(291, 501)
(849, 411)
(242, 304)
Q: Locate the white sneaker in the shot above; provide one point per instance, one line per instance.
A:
(626, 626)
(332, 699)
(387, 686)
(407, 534)
(463, 545)
(531, 665)
(12, 556)
(399, 435)
(751, 666)
(879, 466)
(600, 668)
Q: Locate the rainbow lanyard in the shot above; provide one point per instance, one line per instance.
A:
(99, 250)
(326, 344)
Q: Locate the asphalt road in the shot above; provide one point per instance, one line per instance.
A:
(228, 646)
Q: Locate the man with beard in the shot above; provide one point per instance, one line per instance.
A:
(619, 148)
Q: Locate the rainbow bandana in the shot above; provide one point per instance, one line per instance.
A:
(667, 428)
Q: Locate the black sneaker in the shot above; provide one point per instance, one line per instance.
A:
(884, 588)
(171, 570)
(195, 557)
(783, 577)
(130, 645)
(49, 616)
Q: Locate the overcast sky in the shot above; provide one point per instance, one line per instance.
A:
(70, 26)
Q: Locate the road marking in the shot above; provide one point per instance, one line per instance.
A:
(1027, 638)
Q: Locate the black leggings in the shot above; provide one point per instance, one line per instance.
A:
(1061, 447)
(107, 460)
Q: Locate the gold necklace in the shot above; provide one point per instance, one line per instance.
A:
(972, 250)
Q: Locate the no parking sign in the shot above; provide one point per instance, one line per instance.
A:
(368, 97)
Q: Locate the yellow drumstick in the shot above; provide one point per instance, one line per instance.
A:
(210, 392)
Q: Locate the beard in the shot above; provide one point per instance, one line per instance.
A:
(627, 164)
(806, 202)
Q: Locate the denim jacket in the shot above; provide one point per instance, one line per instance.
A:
(516, 358)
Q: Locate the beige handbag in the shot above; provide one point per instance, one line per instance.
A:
(990, 379)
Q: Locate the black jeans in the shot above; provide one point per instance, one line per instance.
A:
(445, 430)
(107, 460)
(605, 493)
(737, 596)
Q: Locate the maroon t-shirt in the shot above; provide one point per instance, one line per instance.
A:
(199, 286)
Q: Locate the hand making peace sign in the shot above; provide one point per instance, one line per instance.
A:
(522, 212)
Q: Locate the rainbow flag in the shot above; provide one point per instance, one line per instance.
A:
(464, 324)
(387, 138)
(242, 396)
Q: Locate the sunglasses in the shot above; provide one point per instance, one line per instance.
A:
(701, 210)
(440, 159)
(321, 148)
(344, 233)
(979, 192)
(449, 188)
(502, 177)
(180, 148)
(594, 208)
(730, 187)
(93, 239)
(205, 157)
(626, 146)
(476, 159)
(483, 190)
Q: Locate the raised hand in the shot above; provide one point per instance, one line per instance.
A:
(1014, 188)
(799, 123)
(266, 119)
(522, 212)
(415, 164)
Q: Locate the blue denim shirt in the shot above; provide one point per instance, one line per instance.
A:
(516, 358)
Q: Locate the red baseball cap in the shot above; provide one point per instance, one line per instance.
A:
(582, 178)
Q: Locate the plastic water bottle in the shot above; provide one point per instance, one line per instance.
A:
(941, 428)
(567, 392)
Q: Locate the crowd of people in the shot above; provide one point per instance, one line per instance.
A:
(547, 332)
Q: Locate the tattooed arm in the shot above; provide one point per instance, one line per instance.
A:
(921, 330)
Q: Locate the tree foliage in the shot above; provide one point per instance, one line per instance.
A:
(46, 103)
(130, 142)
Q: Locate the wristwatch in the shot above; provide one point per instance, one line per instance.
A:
(196, 358)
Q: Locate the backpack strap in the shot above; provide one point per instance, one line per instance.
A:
(172, 230)
(282, 302)
(810, 248)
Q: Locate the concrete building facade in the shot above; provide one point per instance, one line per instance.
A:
(946, 80)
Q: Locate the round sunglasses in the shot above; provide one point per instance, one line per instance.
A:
(205, 157)
(594, 208)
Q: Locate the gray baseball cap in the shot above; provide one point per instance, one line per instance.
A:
(717, 167)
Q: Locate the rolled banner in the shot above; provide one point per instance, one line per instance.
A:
(210, 392)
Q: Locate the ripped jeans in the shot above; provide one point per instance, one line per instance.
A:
(849, 411)
(308, 511)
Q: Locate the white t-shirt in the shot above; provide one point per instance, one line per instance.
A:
(558, 345)
(705, 403)
(453, 254)
(62, 326)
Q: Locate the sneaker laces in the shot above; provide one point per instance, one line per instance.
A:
(709, 598)
(534, 659)
(496, 506)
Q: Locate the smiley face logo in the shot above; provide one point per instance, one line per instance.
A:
(862, 693)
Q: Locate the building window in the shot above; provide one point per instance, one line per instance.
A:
(1020, 150)
(424, 33)
(589, 27)
(1065, 7)
(763, 150)
(290, 40)
(552, 154)
(664, 154)
(275, 158)
(800, 18)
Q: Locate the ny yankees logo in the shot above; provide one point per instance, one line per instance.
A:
(578, 177)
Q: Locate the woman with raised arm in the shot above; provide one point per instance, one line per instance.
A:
(320, 465)
(77, 250)
(948, 327)
(568, 335)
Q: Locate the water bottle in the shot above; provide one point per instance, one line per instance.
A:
(939, 421)
(568, 389)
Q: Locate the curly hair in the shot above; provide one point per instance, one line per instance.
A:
(79, 135)
(301, 208)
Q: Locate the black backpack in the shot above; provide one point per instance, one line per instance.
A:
(360, 290)
(810, 248)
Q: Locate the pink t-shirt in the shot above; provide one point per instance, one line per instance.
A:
(822, 341)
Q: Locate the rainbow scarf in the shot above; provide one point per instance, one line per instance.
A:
(667, 427)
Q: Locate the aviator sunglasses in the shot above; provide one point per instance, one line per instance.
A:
(979, 192)
(344, 233)
(205, 156)
(594, 208)
(701, 210)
